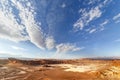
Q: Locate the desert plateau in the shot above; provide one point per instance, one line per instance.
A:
(53, 69)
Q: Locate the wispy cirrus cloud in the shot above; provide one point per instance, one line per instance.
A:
(97, 29)
(21, 26)
(33, 29)
(116, 18)
(92, 31)
(88, 15)
(63, 5)
(50, 43)
(18, 48)
(91, 2)
(102, 25)
(9, 26)
(24, 27)
(67, 47)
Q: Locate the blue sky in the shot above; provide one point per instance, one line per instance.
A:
(59, 28)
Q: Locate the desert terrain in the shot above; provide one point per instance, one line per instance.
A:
(52, 69)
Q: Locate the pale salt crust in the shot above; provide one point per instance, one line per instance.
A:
(4, 67)
(81, 68)
(22, 72)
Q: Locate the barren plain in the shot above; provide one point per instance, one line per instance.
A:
(51, 69)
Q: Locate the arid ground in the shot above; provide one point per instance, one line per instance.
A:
(79, 69)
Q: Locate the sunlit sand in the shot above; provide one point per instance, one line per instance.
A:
(81, 68)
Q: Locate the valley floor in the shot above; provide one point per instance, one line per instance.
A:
(82, 70)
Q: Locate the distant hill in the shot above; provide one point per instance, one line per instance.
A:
(40, 61)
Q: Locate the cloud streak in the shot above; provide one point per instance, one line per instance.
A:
(27, 16)
(92, 31)
(17, 48)
(67, 47)
(88, 15)
(9, 27)
(116, 18)
(50, 43)
(23, 27)
(102, 25)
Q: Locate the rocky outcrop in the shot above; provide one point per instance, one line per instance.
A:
(40, 62)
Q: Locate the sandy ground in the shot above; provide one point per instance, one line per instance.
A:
(80, 71)
(82, 68)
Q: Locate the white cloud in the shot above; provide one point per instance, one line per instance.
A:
(17, 48)
(103, 24)
(87, 17)
(50, 43)
(63, 5)
(94, 13)
(9, 27)
(27, 15)
(105, 1)
(116, 17)
(94, 1)
(67, 47)
(24, 26)
(118, 21)
(92, 30)
(91, 2)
